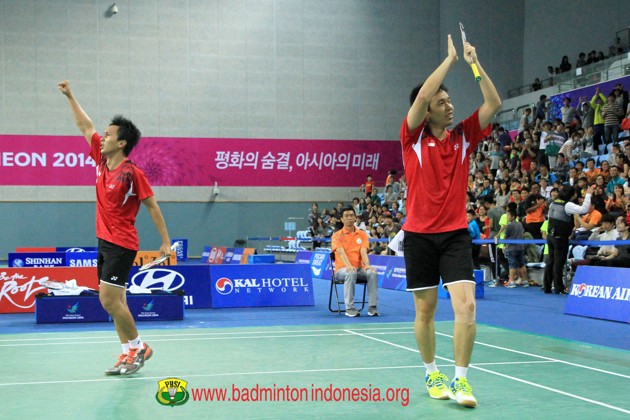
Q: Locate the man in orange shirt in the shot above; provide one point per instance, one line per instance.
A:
(351, 246)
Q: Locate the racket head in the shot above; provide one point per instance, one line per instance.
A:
(154, 263)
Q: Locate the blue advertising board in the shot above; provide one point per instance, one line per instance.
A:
(37, 259)
(81, 259)
(379, 262)
(77, 248)
(321, 267)
(182, 249)
(193, 280)
(479, 290)
(303, 257)
(75, 309)
(600, 292)
(239, 286)
(395, 276)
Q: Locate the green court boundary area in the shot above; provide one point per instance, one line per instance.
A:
(324, 371)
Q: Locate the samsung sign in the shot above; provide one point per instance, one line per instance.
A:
(600, 292)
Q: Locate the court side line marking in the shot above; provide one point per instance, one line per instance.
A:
(209, 375)
(513, 378)
(545, 358)
(109, 335)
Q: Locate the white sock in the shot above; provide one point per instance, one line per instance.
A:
(460, 372)
(125, 347)
(431, 367)
(136, 344)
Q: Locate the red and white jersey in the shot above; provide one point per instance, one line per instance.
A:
(437, 175)
(118, 197)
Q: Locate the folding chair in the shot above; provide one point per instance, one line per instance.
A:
(333, 286)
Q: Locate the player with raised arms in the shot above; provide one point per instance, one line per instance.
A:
(436, 239)
(120, 188)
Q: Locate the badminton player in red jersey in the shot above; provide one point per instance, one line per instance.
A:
(120, 188)
(436, 242)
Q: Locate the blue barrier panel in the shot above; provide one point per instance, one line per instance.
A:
(321, 267)
(239, 286)
(479, 290)
(81, 259)
(395, 274)
(75, 309)
(379, 262)
(157, 307)
(37, 259)
(261, 259)
(182, 249)
(194, 280)
(303, 257)
(600, 292)
(77, 249)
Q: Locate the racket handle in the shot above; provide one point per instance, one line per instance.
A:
(475, 71)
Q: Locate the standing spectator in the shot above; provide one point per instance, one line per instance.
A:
(561, 213)
(475, 233)
(436, 242)
(562, 168)
(587, 114)
(564, 64)
(597, 102)
(367, 186)
(568, 112)
(527, 155)
(495, 158)
(515, 253)
(612, 114)
(524, 122)
(541, 109)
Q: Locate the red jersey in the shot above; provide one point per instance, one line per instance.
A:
(118, 196)
(437, 175)
(369, 186)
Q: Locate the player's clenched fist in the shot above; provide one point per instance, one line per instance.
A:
(64, 87)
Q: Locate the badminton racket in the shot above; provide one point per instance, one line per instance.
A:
(159, 260)
(473, 66)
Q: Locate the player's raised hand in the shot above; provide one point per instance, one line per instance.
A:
(470, 53)
(64, 87)
(452, 52)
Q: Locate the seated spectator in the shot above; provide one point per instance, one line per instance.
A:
(584, 225)
(350, 246)
(313, 214)
(318, 230)
(606, 232)
(591, 171)
(604, 171)
(621, 161)
(545, 188)
(615, 180)
(617, 201)
(390, 196)
(537, 85)
(612, 156)
(544, 173)
(390, 227)
(619, 256)
(515, 253)
(521, 208)
(562, 168)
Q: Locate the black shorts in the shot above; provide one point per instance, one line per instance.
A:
(114, 263)
(429, 256)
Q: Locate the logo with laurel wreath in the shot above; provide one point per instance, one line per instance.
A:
(172, 391)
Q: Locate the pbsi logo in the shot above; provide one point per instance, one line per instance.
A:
(224, 286)
(159, 278)
(172, 392)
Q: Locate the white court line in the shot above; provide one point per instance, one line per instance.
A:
(208, 375)
(513, 378)
(109, 335)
